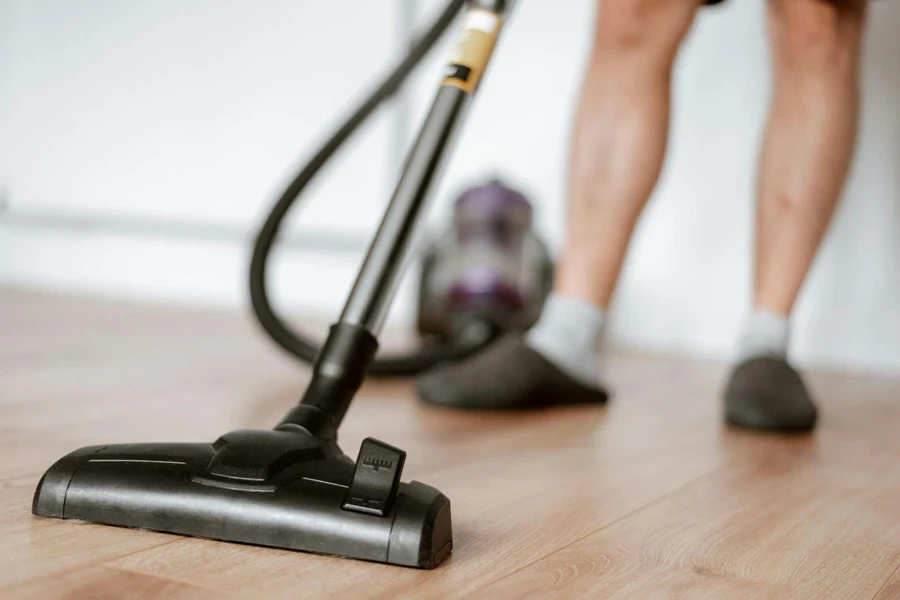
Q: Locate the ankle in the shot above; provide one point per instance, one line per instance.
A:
(764, 333)
(568, 335)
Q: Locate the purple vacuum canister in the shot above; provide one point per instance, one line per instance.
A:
(489, 266)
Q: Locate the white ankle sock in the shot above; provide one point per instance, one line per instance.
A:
(765, 333)
(568, 335)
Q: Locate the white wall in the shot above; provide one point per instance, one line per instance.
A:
(189, 117)
(5, 91)
(190, 99)
(188, 110)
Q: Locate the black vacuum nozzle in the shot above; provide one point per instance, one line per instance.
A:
(285, 489)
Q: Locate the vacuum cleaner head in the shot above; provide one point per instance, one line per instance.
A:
(285, 489)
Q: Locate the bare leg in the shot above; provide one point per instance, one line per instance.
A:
(619, 138)
(809, 139)
(805, 158)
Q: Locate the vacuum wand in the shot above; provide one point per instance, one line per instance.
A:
(388, 255)
(377, 280)
(389, 252)
(351, 345)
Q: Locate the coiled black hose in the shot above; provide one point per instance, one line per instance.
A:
(294, 342)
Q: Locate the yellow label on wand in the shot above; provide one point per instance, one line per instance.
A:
(473, 51)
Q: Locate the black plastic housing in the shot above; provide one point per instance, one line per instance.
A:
(284, 489)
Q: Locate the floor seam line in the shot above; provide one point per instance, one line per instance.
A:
(887, 581)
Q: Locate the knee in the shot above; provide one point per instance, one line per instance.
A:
(646, 28)
(812, 35)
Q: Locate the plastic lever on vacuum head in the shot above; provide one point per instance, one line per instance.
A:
(375, 479)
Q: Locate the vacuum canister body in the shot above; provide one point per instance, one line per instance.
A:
(489, 266)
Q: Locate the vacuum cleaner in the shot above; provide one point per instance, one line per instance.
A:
(293, 487)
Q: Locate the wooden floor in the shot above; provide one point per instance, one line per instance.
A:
(648, 498)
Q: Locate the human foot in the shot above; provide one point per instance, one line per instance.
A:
(766, 393)
(507, 375)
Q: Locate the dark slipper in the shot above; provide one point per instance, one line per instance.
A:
(766, 393)
(507, 375)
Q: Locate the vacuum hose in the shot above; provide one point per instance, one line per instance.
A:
(294, 342)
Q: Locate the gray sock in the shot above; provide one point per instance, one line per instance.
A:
(568, 335)
(765, 333)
